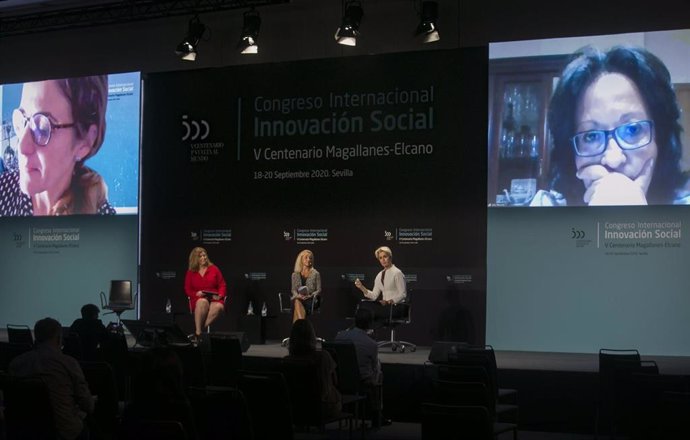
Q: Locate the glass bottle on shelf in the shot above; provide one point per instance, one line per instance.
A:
(507, 147)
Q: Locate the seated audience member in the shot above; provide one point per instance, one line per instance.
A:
(303, 346)
(158, 392)
(368, 359)
(91, 331)
(69, 393)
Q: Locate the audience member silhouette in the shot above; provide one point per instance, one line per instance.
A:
(370, 372)
(303, 346)
(91, 331)
(158, 392)
(69, 393)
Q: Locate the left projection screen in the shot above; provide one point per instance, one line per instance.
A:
(69, 193)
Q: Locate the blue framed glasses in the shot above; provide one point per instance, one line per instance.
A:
(630, 136)
(39, 124)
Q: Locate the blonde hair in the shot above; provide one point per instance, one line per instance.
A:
(298, 260)
(194, 258)
(384, 249)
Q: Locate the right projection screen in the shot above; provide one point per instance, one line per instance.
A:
(587, 191)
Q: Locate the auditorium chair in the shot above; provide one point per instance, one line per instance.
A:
(615, 366)
(305, 390)
(454, 422)
(28, 414)
(350, 385)
(20, 335)
(268, 401)
(457, 393)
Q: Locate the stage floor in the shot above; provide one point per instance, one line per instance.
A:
(505, 360)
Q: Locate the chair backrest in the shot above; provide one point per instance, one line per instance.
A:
(120, 296)
(20, 335)
(463, 373)
(120, 292)
(10, 351)
(304, 385)
(113, 350)
(102, 383)
(268, 400)
(155, 430)
(613, 363)
(478, 356)
(28, 412)
(71, 344)
(192, 364)
(442, 422)
(345, 355)
(226, 360)
(451, 392)
(222, 413)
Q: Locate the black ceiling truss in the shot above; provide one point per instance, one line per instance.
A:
(117, 12)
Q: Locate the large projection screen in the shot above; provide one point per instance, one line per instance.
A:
(570, 276)
(72, 146)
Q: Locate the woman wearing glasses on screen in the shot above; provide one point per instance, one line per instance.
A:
(616, 132)
(59, 125)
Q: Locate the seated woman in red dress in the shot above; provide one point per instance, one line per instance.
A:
(206, 289)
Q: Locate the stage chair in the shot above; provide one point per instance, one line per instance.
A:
(453, 422)
(119, 300)
(268, 400)
(456, 393)
(20, 335)
(612, 364)
(396, 318)
(286, 308)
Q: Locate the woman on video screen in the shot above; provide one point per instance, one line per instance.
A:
(614, 119)
(59, 125)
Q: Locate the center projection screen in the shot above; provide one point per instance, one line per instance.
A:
(69, 194)
(587, 186)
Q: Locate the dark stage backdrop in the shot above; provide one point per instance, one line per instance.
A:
(340, 156)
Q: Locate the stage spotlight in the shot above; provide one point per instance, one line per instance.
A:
(250, 33)
(427, 31)
(188, 47)
(348, 31)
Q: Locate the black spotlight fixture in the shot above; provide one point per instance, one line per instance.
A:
(427, 31)
(250, 33)
(348, 31)
(187, 48)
